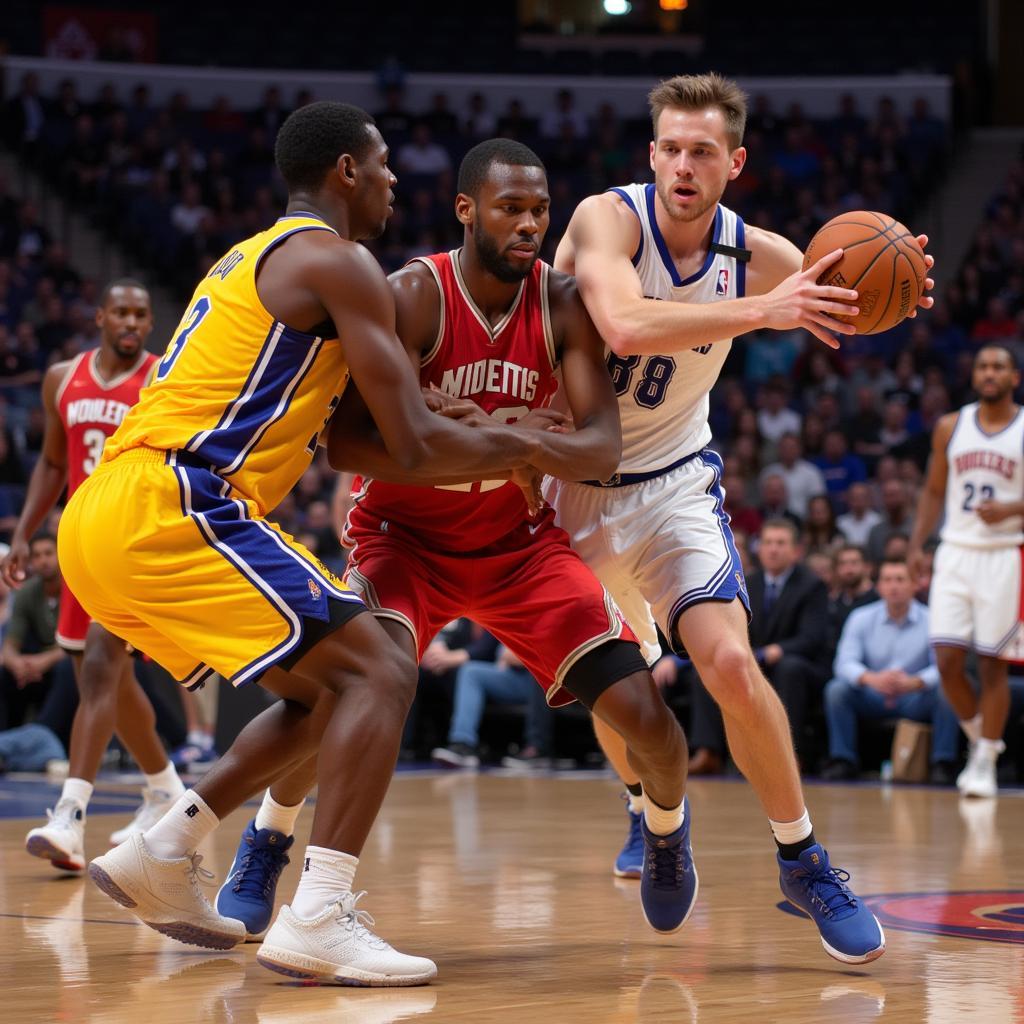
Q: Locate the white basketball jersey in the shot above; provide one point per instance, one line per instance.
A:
(983, 467)
(663, 400)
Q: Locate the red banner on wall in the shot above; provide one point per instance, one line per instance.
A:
(85, 33)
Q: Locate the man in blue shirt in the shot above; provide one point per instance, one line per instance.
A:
(884, 668)
(839, 467)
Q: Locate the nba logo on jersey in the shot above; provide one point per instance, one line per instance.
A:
(722, 284)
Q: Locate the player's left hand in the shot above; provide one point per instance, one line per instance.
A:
(925, 301)
(528, 479)
(994, 511)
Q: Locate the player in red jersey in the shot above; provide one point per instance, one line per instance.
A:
(488, 326)
(85, 399)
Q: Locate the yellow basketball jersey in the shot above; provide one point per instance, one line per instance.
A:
(236, 389)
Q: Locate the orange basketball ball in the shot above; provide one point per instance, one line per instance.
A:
(881, 261)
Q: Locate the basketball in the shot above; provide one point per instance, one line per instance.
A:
(881, 261)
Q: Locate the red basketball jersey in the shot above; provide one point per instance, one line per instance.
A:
(507, 370)
(92, 409)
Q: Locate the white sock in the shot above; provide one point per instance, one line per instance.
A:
(988, 751)
(972, 727)
(166, 780)
(279, 817)
(78, 790)
(789, 832)
(636, 803)
(662, 821)
(182, 828)
(326, 876)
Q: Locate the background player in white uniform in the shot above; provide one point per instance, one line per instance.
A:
(656, 535)
(977, 469)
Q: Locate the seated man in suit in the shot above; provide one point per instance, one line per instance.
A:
(789, 634)
(885, 668)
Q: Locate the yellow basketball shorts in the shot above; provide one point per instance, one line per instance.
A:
(163, 553)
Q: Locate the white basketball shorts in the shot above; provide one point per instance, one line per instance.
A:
(659, 545)
(975, 598)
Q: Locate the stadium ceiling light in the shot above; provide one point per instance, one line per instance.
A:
(616, 7)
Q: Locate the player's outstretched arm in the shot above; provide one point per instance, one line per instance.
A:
(355, 293)
(48, 478)
(933, 494)
(592, 451)
(598, 249)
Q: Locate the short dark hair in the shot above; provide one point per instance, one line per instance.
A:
(781, 523)
(1010, 354)
(892, 560)
(844, 548)
(478, 161)
(39, 537)
(312, 139)
(121, 282)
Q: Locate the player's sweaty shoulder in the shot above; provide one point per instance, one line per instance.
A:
(945, 427)
(417, 304)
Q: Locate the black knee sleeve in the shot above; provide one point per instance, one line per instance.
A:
(601, 668)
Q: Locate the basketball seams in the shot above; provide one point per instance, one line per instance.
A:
(888, 238)
(893, 294)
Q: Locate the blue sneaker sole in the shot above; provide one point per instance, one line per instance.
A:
(686, 917)
(845, 958)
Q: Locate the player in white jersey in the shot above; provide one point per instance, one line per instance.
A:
(977, 471)
(656, 533)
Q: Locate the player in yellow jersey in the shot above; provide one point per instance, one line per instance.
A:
(167, 544)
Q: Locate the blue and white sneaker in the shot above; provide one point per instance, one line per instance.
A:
(668, 884)
(630, 861)
(849, 931)
(247, 894)
(194, 757)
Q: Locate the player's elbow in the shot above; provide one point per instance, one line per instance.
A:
(620, 336)
(604, 458)
(411, 455)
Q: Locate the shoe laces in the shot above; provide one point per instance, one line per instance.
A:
(828, 890)
(199, 875)
(357, 921)
(666, 865)
(258, 872)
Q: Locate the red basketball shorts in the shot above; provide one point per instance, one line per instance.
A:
(531, 591)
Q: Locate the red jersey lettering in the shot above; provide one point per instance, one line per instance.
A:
(91, 410)
(507, 369)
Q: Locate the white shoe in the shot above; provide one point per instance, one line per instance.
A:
(155, 804)
(164, 894)
(979, 779)
(62, 840)
(337, 946)
(979, 775)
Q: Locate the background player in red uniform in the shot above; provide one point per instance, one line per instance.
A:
(491, 323)
(85, 399)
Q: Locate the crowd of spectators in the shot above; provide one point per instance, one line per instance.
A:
(825, 450)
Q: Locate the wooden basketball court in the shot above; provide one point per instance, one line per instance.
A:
(506, 882)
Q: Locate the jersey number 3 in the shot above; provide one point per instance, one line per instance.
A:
(653, 383)
(192, 320)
